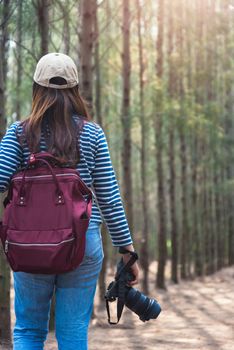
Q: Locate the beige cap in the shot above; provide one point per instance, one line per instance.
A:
(56, 65)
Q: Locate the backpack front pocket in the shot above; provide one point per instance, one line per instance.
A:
(40, 251)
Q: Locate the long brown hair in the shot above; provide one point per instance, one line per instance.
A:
(52, 111)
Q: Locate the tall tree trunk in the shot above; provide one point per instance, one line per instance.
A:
(206, 227)
(4, 44)
(66, 25)
(66, 34)
(230, 175)
(5, 316)
(126, 117)
(229, 124)
(19, 59)
(195, 227)
(209, 227)
(213, 228)
(144, 190)
(162, 248)
(224, 219)
(42, 8)
(186, 150)
(218, 208)
(198, 144)
(86, 50)
(98, 112)
(185, 237)
(171, 156)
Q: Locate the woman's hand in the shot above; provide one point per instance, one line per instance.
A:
(134, 268)
(135, 271)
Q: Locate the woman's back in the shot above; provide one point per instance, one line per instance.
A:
(95, 169)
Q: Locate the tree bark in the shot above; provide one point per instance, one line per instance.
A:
(172, 89)
(229, 125)
(4, 45)
(102, 276)
(198, 143)
(86, 50)
(66, 25)
(5, 316)
(218, 208)
(42, 8)
(213, 228)
(162, 234)
(19, 60)
(144, 253)
(98, 112)
(126, 117)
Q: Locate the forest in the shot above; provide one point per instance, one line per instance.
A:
(158, 76)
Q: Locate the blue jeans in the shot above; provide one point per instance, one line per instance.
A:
(74, 295)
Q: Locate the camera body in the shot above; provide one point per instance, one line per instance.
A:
(146, 308)
(113, 289)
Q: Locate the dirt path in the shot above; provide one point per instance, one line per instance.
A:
(197, 315)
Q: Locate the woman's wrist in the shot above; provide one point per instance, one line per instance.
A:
(125, 255)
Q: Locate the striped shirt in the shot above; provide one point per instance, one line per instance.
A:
(95, 167)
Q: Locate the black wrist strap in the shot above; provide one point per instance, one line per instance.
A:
(122, 250)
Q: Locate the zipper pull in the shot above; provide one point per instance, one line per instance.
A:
(6, 246)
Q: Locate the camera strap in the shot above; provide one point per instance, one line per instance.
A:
(120, 302)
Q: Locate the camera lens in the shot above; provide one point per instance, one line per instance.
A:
(146, 308)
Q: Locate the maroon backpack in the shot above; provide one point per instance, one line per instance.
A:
(46, 216)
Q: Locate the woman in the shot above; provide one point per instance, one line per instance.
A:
(59, 122)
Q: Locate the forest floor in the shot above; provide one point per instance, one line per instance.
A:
(196, 315)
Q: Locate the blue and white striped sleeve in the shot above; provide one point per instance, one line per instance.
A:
(108, 195)
(10, 156)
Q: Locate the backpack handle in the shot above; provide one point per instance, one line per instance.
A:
(60, 199)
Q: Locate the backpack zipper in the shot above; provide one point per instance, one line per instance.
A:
(40, 176)
(36, 244)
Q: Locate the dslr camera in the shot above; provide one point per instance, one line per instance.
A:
(146, 308)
